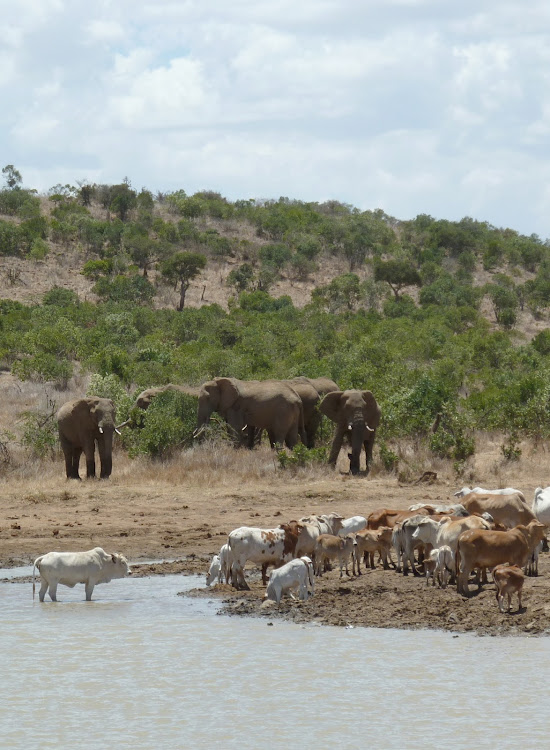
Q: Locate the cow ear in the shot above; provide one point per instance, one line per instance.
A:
(330, 405)
(114, 558)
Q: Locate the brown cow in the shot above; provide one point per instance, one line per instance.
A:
(508, 580)
(479, 548)
(384, 517)
(370, 541)
(507, 510)
(330, 547)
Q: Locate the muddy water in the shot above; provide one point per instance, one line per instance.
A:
(141, 668)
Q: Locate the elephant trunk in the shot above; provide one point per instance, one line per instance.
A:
(203, 417)
(356, 430)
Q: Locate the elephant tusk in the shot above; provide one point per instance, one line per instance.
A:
(244, 428)
(350, 426)
(369, 428)
(120, 426)
(118, 432)
(101, 430)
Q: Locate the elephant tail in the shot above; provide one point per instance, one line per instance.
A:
(301, 425)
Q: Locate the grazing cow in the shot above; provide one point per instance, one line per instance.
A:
(214, 570)
(385, 517)
(480, 491)
(351, 525)
(370, 541)
(295, 574)
(541, 505)
(263, 547)
(330, 547)
(479, 548)
(507, 510)
(456, 509)
(508, 580)
(405, 542)
(69, 568)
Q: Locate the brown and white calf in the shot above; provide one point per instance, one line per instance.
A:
(508, 580)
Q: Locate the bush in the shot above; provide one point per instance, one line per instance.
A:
(40, 435)
(168, 425)
(301, 456)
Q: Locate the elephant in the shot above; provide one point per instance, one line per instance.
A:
(311, 391)
(266, 405)
(82, 423)
(357, 415)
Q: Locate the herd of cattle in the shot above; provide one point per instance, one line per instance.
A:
(487, 529)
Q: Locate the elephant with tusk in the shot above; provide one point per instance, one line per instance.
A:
(82, 424)
(357, 415)
(251, 405)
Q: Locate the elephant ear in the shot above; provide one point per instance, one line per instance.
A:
(229, 393)
(330, 405)
(372, 409)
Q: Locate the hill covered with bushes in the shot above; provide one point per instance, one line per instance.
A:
(435, 317)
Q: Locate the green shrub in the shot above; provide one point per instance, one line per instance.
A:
(40, 435)
(301, 456)
(390, 460)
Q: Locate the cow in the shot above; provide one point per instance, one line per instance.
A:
(214, 571)
(455, 509)
(385, 517)
(327, 524)
(508, 580)
(480, 548)
(263, 547)
(295, 574)
(440, 565)
(314, 526)
(480, 491)
(368, 542)
(69, 568)
(541, 505)
(330, 547)
(352, 525)
(405, 542)
(508, 510)
(446, 531)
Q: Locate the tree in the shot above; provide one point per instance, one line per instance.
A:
(13, 177)
(397, 273)
(180, 269)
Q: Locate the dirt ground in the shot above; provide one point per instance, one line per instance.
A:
(182, 514)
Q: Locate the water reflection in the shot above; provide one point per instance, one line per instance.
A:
(146, 669)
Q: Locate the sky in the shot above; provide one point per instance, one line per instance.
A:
(412, 106)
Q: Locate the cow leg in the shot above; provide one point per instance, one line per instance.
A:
(89, 588)
(53, 592)
(519, 601)
(43, 589)
(264, 574)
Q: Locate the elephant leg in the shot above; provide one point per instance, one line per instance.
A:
(71, 470)
(336, 445)
(90, 461)
(291, 437)
(369, 444)
(76, 453)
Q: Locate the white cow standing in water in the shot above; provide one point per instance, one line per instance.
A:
(69, 568)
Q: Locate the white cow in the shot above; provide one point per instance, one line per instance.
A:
(440, 564)
(327, 524)
(263, 547)
(352, 525)
(214, 571)
(541, 505)
(295, 574)
(446, 531)
(69, 568)
(480, 491)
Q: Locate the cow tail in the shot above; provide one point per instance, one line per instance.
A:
(33, 576)
(457, 564)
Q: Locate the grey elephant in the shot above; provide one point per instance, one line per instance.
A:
(266, 405)
(357, 416)
(311, 391)
(143, 400)
(82, 423)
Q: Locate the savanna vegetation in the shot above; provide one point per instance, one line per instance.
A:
(425, 313)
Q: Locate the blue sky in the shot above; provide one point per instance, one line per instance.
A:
(412, 106)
